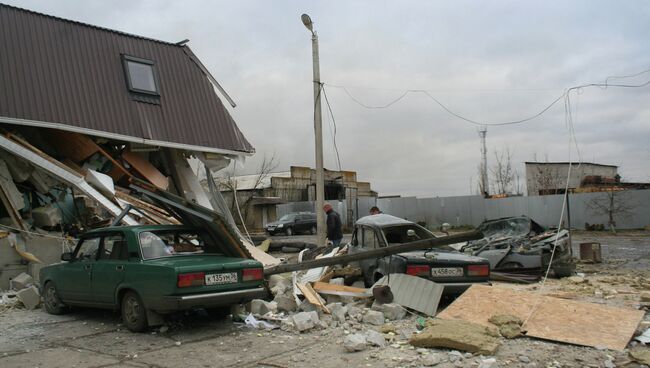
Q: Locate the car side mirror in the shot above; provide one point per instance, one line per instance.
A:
(66, 257)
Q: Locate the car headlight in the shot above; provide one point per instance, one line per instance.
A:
(281, 225)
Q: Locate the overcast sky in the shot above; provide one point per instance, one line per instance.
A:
(488, 61)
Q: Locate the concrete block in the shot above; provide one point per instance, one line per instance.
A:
(375, 338)
(355, 342)
(338, 311)
(21, 281)
(47, 216)
(262, 307)
(303, 321)
(391, 311)
(9, 271)
(286, 303)
(374, 318)
(30, 297)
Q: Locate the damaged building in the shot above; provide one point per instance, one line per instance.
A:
(86, 114)
(258, 194)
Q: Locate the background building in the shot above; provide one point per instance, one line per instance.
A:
(258, 194)
(550, 177)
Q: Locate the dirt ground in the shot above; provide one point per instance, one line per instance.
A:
(96, 338)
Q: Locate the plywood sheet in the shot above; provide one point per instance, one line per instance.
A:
(569, 321)
(74, 146)
(146, 169)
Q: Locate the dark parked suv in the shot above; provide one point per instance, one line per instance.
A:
(292, 223)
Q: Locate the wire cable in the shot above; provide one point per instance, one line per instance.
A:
(329, 107)
(513, 122)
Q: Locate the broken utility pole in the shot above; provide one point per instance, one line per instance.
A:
(375, 253)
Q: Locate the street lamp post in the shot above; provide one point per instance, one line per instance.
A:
(318, 132)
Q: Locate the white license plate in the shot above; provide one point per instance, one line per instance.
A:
(446, 271)
(221, 278)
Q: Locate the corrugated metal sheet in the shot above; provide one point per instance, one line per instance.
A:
(58, 71)
(414, 292)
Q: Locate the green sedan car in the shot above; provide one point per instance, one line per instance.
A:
(148, 271)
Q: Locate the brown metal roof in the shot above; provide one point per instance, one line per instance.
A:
(68, 75)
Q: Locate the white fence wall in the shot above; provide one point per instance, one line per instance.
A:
(472, 210)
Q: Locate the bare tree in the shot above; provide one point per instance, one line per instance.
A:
(229, 182)
(503, 174)
(613, 205)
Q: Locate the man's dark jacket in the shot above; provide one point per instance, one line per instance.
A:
(334, 231)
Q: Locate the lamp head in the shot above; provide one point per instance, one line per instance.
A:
(306, 20)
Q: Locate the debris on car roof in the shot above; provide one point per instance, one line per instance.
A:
(518, 248)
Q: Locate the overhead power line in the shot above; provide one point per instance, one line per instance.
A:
(562, 96)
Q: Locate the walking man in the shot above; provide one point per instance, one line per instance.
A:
(334, 232)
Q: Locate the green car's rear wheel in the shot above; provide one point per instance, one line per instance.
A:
(134, 314)
(53, 305)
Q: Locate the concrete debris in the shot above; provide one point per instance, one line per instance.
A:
(306, 306)
(277, 280)
(509, 326)
(457, 334)
(304, 321)
(285, 303)
(430, 360)
(354, 342)
(387, 328)
(489, 363)
(577, 279)
(338, 311)
(455, 356)
(30, 297)
(640, 355)
(391, 311)
(355, 312)
(47, 216)
(374, 338)
(21, 281)
(261, 307)
(374, 318)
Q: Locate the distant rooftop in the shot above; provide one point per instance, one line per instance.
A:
(565, 163)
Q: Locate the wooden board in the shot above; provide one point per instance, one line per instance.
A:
(312, 296)
(146, 169)
(332, 289)
(569, 321)
(76, 147)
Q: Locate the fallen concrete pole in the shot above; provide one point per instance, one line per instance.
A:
(375, 253)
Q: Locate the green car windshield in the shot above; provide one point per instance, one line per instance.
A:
(166, 243)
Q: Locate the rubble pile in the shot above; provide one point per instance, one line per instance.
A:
(23, 293)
